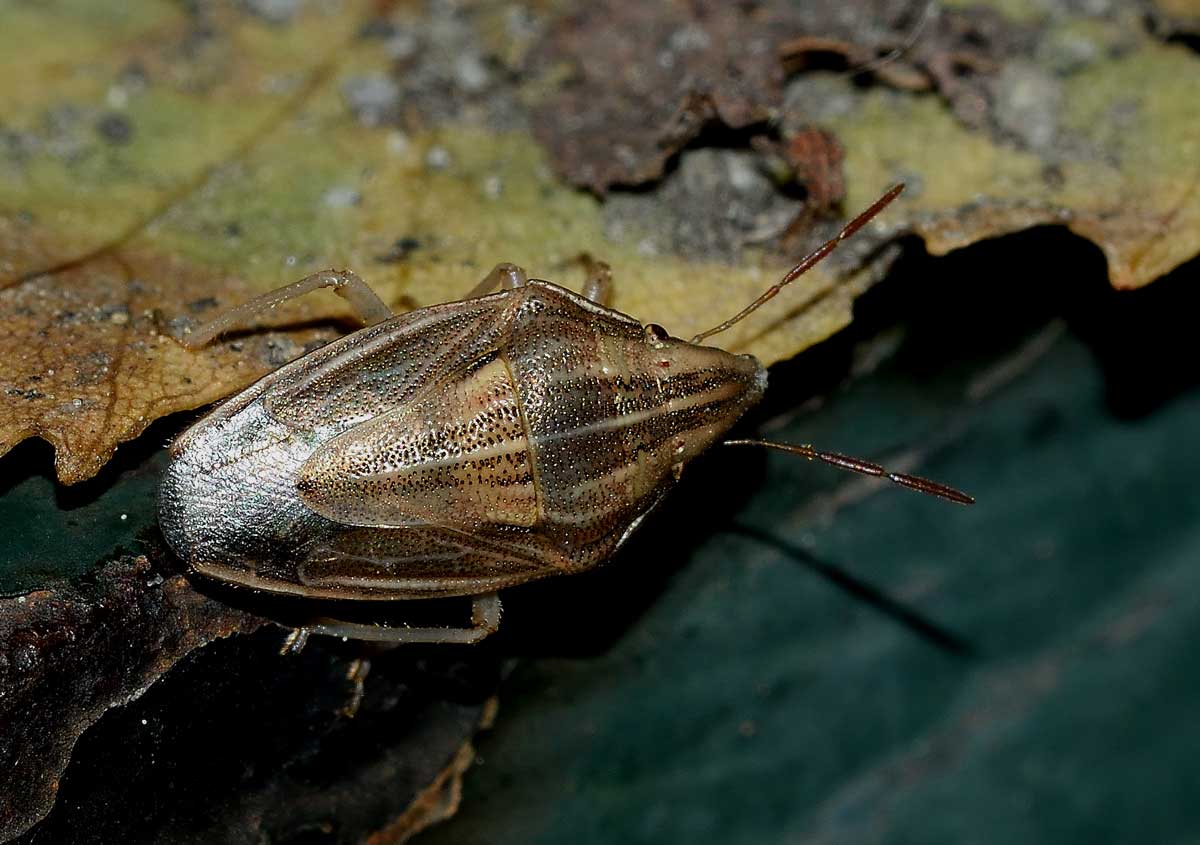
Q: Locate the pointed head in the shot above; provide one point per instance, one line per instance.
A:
(701, 390)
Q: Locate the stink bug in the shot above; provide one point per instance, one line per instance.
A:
(460, 448)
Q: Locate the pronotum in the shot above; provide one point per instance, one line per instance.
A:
(458, 449)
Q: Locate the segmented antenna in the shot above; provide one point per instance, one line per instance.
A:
(913, 482)
(812, 259)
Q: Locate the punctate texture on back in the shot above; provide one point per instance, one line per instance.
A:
(454, 450)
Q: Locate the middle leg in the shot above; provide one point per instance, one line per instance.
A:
(505, 276)
(598, 285)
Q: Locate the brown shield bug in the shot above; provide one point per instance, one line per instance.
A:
(460, 448)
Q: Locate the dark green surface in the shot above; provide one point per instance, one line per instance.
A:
(754, 701)
(786, 654)
(51, 532)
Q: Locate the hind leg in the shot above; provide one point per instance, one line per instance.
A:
(485, 620)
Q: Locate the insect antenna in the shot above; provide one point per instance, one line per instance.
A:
(808, 263)
(913, 482)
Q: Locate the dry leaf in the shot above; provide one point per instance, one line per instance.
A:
(160, 162)
(91, 357)
(111, 250)
(634, 83)
(1111, 150)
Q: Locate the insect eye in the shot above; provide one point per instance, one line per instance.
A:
(656, 333)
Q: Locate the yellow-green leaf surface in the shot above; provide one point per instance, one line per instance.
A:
(1136, 193)
(162, 161)
(244, 169)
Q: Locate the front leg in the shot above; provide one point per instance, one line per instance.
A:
(367, 306)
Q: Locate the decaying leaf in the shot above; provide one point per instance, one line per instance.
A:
(160, 163)
(77, 665)
(438, 802)
(1111, 150)
(1175, 17)
(676, 73)
(91, 356)
(640, 81)
(67, 658)
(315, 177)
(814, 159)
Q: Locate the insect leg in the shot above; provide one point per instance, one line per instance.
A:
(505, 276)
(345, 283)
(294, 642)
(356, 674)
(485, 620)
(598, 285)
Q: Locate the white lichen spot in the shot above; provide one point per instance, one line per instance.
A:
(341, 196)
(691, 37)
(437, 158)
(401, 46)
(647, 246)
(373, 98)
(471, 73)
(116, 97)
(743, 177)
(398, 143)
